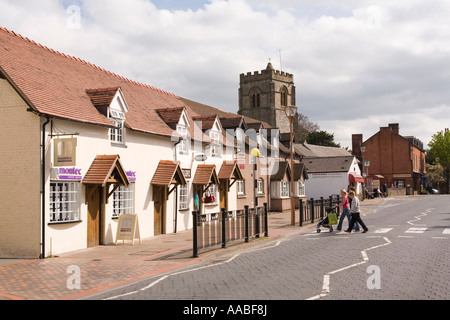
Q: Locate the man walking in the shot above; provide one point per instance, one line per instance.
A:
(356, 214)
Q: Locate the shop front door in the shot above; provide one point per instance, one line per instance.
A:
(159, 199)
(94, 215)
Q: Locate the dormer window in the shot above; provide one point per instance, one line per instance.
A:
(116, 134)
(215, 144)
(111, 103)
(183, 146)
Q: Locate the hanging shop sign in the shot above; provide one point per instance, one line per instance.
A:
(65, 152)
(66, 174)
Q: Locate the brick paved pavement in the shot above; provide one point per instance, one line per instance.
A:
(111, 266)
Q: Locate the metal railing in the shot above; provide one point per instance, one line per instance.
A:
(311, 209)
(216, 229)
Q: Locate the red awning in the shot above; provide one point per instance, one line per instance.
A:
(352, 178)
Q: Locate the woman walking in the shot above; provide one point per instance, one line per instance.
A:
(356, 213)
(345, 204)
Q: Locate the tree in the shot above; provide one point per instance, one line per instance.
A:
(304, 127)
(322, 138)
(440, 151)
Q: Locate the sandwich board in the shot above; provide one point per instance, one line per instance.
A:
(128, 228)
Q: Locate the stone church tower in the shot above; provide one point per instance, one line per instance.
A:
(264, 95)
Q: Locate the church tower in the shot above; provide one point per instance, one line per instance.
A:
(264, 95)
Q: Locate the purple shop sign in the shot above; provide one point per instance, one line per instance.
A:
(66, 174)
(131, 176)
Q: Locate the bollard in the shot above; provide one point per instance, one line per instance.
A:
(301, 212)
(312, 210)
(224, 239)
(195, 244)
(246, 223)
(266, 221)
(321, 208)
(257, 225)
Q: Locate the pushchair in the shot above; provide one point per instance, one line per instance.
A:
(330, 220)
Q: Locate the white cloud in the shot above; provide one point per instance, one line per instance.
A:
(358, 65)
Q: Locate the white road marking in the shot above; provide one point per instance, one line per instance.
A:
(446, 231)
(326, 277)
(192, 270)
(416, 230)
(383, 230)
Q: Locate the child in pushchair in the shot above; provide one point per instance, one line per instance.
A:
(329, 220)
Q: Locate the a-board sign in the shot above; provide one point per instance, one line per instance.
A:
(128, 228)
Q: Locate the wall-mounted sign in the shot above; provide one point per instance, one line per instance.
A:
(186, 173)
(66, 174)
(200, 157)
(131, 176)
(65, 152)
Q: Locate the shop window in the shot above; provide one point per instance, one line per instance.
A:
(184, 197)
(123, 200)
(64, 201)
(211, 195)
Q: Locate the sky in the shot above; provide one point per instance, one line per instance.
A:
(358, 65)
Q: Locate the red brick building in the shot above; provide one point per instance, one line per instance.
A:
(387, 157)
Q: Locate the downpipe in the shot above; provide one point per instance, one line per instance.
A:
(44, 125)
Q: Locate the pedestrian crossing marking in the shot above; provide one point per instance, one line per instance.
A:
(416, 230)
(383, 230)
(446, 231)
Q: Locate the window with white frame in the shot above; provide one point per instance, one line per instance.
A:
(284, 189)
(260, 186)
(64, 201)
(123, 200)
(215, 145)
(184, 197)
(117, 134)
(183, 146)
(241, 187)
(300, 188)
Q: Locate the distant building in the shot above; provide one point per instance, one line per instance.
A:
(329, 170)
(387, 157)
(264, 95)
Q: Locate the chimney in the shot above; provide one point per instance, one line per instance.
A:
(357, 140)
(395, 127)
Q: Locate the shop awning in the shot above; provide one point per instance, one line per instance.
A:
(106, 169)
(168, 173)
(352, 178)
(375, 176)
(206, 175)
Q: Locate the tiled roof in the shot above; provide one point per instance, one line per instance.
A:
(205, 175)
(55, 84)
(310, 150)
(104, 168)
(167, 173)
(328, 164)
(230, 171)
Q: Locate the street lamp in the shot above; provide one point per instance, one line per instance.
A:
(290, 113)
(255, 154)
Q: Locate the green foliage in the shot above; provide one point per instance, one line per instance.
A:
(322, 138)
